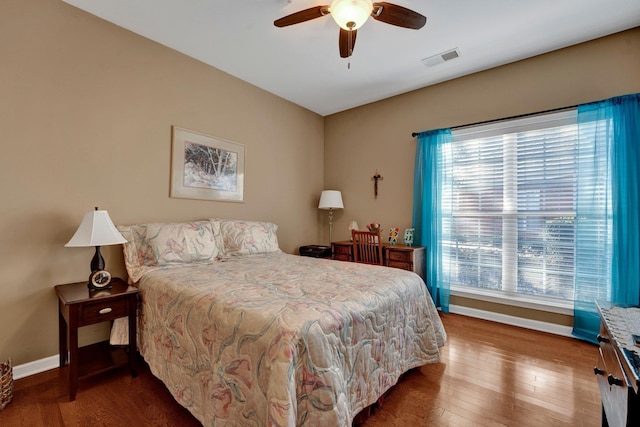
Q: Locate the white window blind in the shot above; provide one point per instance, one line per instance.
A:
(513, 206)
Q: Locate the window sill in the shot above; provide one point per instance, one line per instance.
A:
(525, 301)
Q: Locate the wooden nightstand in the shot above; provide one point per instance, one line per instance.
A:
(411, 258)
(342, 251)
(80, 307)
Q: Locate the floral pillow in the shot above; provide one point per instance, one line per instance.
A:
(150, 246)
(240, 237)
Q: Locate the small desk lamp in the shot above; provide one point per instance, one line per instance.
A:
(353, 226)
(97, 229)
(330, 200)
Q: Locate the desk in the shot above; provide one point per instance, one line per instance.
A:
(411, 258)
(618, 369)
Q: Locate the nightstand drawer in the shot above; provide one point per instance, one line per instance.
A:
(401, 256)
(342, 250)
(402, 265)
(101, 311)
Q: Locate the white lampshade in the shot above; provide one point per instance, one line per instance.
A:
(96, 229)
(331, 199)
(353, 225)
(355, 12)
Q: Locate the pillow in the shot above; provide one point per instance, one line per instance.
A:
(240, 237)
(159, 244)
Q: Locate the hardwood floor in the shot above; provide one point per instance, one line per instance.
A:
(497, 375)
(491, 375)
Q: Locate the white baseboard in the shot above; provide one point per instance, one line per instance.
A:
(36, 367)
(52, 362)
(536, 325)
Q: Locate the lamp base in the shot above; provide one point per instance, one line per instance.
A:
(330, 226)
(97, 262)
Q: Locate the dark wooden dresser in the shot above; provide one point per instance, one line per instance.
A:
(618, 369)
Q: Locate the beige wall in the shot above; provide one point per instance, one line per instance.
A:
(86, 110)
(378, 136)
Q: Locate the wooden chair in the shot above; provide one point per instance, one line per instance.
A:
(367, 247)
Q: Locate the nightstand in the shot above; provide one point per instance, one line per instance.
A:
(77, 307)
(411, 258)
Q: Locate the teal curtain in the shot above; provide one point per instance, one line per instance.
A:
(430, 218)
(608, 171)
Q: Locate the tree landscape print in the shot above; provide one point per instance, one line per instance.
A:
(206, 168)
(209, 167)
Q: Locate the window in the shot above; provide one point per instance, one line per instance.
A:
(512, 207)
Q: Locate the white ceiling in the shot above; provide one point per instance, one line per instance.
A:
(301, 63)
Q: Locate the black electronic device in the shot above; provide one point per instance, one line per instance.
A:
(316, 251)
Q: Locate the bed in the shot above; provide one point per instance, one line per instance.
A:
(243, 334)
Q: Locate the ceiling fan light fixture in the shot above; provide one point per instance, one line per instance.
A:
(351, 14)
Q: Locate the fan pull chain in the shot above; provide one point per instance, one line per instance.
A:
(350, 47)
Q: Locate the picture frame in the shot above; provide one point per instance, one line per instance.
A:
(409, 234)
(393, 235)
(205, 167)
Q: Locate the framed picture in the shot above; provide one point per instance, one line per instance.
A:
(408, 236)
(393, 235)
(205, 167)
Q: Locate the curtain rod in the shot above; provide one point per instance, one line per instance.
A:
(554, 110)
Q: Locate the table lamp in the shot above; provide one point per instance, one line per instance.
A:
(96, 229)
(330, 200)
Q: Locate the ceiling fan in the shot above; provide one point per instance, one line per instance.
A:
(351, 14)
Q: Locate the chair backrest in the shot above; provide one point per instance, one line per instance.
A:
(367, 247)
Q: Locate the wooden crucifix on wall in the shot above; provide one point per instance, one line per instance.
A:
(375, 178)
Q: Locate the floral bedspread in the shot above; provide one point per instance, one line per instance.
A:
(283, 340)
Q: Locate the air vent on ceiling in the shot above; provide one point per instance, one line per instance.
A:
(441, 57)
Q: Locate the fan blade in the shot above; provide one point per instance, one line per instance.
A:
(398, 15)
(302, 16)
(346, 45)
